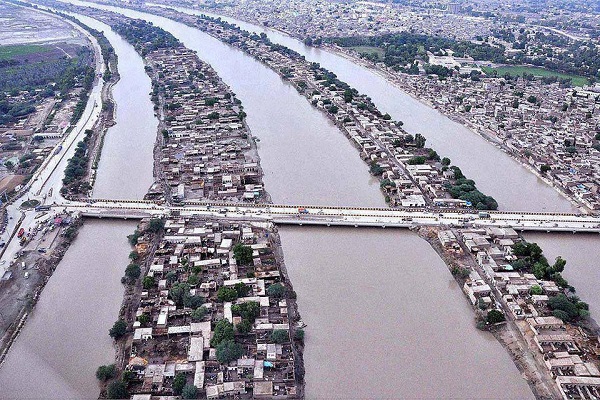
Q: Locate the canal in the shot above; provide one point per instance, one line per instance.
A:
(381, 307)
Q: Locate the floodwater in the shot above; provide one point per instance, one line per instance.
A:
(384, 314)
(66, 336)
(495, 173)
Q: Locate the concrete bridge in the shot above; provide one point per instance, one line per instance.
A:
(340, 216)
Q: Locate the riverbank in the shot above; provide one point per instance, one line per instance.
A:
(527, 302)
(481, 131)
(45, 238)
(21, 292)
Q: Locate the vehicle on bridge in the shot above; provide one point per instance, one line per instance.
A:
(302, 210)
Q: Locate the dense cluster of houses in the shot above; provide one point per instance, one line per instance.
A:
(410, 174)
(571, 355)
(319, 18)
(551, 128)
(197, 293)
(207, 151)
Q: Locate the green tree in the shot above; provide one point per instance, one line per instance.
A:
(199, 313)
(228, 351)
(494, 316)
(279, 336)
(241, 289)
(148, 282)
(244, 327)
(242, 254)
(106, 372)
(420, 141)
(536, 290)
(545, 168)
(276, 290)
(299, 335)
(193, 280)
(446, 161)
(134, 255)
(117, 390)
(563, 303)
(223, 332)
(559, 264)
(249, 310)
(118, 329)
(132, 272)
(226, 293)
(178, 383)
(156, 224)
(189, 392)
(179, 291)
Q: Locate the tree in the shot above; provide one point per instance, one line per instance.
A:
(562, 315)
(559, 264)
(132, 272)
(420, 141)
(276, 290)
(563, 303)
(226, 293)
(279, 336)
(446, 161)
(117, 390)
(199, 313)
(134, 255)
(241, 289)
(387, 117)
(228, 351)
(248, 310)
(536, 290)
(494, 316)
(148, 282)
(156, 224)
(178, 383)
(299, 335)
(179, 291)
(223, 332)
(189, 392)
(193, 280)
(244, 327)
(242, 254)
(193, 302)
(106, 372)
(545, 168)
(532, 99)
(118, 329)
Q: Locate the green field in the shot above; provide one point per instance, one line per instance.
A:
(369, 49)
(11, 51)
(519, 70)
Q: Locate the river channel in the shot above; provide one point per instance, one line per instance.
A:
(66, 336)
(384, 314)
(385, 317)
(495, 172)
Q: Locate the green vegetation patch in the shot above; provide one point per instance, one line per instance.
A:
(519, 70)
(369, 50)
(12, 51)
